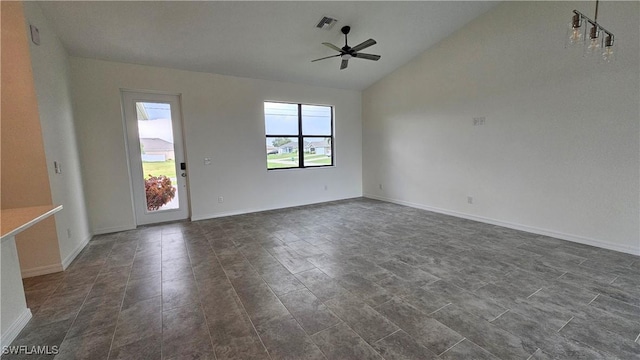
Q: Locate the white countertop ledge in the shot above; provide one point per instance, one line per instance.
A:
(13, 221)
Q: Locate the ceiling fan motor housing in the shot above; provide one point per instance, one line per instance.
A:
(346, 49)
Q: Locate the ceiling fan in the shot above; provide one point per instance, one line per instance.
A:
(348, 52)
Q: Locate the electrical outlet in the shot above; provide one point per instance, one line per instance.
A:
(326, 188)
(220, 199)
(69, 233)
(470, 199)
(380, 186)
(207, 161)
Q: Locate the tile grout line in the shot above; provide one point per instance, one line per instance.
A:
(452, 346)
(319, 331)
(286, 293)
(346, 324)
(442, 307)
(54, 289)
(85, 300)
(567, 323)
(497, 317)
(162, 303)
(332, 326)
(637, 338)
(535, 352)
(305, 288)
(614, 279)
(365, 341)
(592, 300)
(290, 313)
(535, 292)
(124, 294)
(213, 348)
(386, 336)
(238, 296)
(384, 303)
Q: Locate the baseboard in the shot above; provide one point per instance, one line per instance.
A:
(50, 269)
(113, 229)
(229, 213)
(531, 229)
(15, 328)
(41, 270)
(266, 208)
(69, 259)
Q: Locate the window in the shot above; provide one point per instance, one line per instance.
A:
(298, 135)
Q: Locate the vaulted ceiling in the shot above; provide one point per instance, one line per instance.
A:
(263, 39)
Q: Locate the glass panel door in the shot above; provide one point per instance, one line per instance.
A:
(157, 154)
(156, 159)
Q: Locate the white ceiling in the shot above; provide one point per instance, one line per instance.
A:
(263, 40)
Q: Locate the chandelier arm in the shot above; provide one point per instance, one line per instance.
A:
(593, 22)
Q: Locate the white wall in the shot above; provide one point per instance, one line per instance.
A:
(50, 66)
(223, 119)
(559, 153)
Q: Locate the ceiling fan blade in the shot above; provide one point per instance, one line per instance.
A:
(326, 57)
(332, 46)
(367, 56)
(363, 45)
(344, 64)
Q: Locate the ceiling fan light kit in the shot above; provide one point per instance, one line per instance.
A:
(346, 52)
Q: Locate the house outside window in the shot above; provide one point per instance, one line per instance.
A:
(298, 135)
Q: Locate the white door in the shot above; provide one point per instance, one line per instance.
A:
(156, 157)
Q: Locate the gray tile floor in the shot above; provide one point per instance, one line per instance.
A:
(356, 279)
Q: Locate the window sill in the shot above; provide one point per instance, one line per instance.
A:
(303, 168)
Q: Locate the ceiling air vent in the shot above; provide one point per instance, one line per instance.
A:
(326, 23)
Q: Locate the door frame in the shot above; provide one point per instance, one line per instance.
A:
(134, 133)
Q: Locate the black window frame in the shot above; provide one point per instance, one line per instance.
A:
(301, 137)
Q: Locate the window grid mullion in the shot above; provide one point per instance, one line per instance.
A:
(332, 141)
(300, 139)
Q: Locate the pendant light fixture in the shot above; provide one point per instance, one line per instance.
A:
(595, 39)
